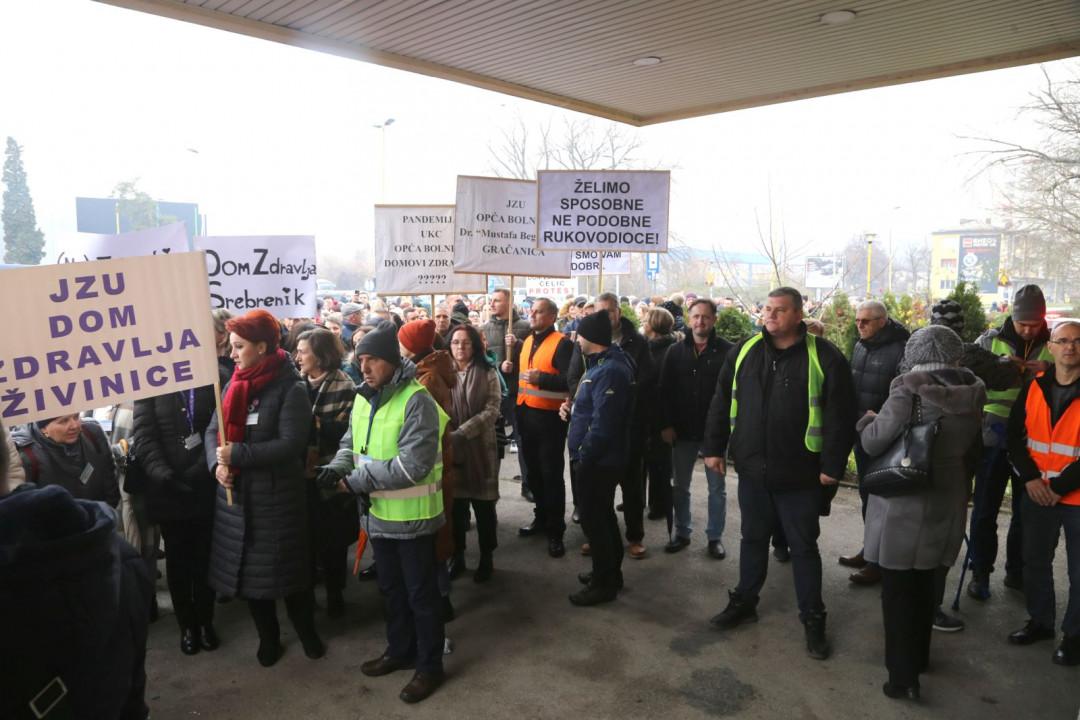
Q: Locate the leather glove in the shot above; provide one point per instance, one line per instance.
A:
(328, 477)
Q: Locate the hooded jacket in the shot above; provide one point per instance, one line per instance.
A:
(77, 600)
(875, 362)
(599, 433)
(418, 449)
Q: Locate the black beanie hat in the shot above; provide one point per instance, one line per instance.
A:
(382, 342)
(950, 314)
(1029, 305)
(595, 328)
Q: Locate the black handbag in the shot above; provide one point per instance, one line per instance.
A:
(904, 468)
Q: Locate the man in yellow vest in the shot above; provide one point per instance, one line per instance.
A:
(1044, 447)
(1022, 340)
(542, 362)
(391, 458)
(784, 410)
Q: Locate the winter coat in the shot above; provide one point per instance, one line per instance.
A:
(687, 384)
(476, 451)
(636, 348)
(658, 347)
(331, 404)
(260, 544)
(50, 463)
(1023, 464)
(418, 449)
(925, 530)
(774, 405)
(875, 362)
(16, 475)
(179, 485)
(599, 432)
(76, 602)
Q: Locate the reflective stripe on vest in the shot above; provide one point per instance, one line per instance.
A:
(1053, 448)
(1000, 402)
(544, 361)
(422, 501)
(814, 437)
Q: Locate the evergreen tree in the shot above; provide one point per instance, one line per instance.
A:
(733, 324)
(24, 243)
(974, 314)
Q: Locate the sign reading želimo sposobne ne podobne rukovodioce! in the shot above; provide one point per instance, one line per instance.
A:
(92, 334)
(603, 210)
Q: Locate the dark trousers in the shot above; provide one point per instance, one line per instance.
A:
(632, 483)
(1042, 528)
(333, 525)
(658, 474)
(408, 582)
(485, 524)
(300, 608)
(508, 406)
(542, 442)
(600, 523)
(187, 564)
(990, 481)
(796, 512)
(907, 606)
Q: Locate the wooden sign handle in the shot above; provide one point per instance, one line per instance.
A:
(221, 432)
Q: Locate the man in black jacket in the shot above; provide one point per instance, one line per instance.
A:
(687, 383)
(785, 410)
(875, 361)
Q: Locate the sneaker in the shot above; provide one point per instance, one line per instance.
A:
(947, 623)
(737, 612)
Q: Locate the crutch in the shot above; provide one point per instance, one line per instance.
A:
(963, 573)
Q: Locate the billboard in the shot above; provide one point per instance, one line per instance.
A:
(824, 271)
(980, 262)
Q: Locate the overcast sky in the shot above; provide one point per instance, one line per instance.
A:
(285, 145)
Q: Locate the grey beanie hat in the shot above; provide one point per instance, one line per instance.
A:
(934, 344)
(1029, 305)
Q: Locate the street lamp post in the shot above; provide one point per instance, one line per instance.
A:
(869, 259)
(381, 127)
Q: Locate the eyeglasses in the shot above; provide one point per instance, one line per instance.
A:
(866, 321)
(1064, 342)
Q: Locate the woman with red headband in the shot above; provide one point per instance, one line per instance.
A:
(260, 546)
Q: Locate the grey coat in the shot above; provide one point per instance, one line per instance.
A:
(925, 530)
(482, 482)
(260, 543)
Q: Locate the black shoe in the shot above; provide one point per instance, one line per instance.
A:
(592, 595)
(484, 570)
(676, 544)
(447, 610)
(457, 566)
(1068, 652)
(189, 641)
(556, 549)
(208, 638)
(527, 494)
(154, 613)
(533, 528)
(869, 574)
(656, 515)
(368, 573)
(335, 604)
(312, 643)
(269, 652)
(737, 612)
(385, 665)
(979, 587)
(1031, 633)
(421, 686)
(716, 550)
(816, 644)
(899, 692)
(947, 623)
(619, 507)
(585, 578)
(1014, 580)
(782, 553)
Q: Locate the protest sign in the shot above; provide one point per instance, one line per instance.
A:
(495, 230)
(83, 247)
(586, 263)
(414, 252)
(275, 272)
(603, 210)
(558, 289)
(104, 332)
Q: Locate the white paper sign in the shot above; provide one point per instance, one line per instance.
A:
(495, 230)
(603, 210)
(83, 247)
(103, 332)
(275, 272)
(586, 263)
(414, 252)
(558, 289)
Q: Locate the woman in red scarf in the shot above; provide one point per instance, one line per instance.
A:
(260, 545)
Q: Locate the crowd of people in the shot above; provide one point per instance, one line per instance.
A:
(386, 424)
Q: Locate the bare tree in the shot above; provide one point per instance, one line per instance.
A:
(575, 144)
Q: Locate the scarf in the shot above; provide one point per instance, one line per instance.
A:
(245, 385)
(469, 398)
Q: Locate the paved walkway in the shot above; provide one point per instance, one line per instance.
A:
(522, 651)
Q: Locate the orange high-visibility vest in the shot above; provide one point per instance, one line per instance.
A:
(544, 361)
(1053, 448)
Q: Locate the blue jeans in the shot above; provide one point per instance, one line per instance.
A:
(683, 457)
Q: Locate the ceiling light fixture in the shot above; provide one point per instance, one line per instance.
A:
(837, 17)
(648, 61)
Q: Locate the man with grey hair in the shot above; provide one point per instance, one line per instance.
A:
(875, 361)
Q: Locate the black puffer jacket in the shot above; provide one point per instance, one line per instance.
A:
(687, 384)
(51, 463)
(75, 599)
(260, 546)
(774, 406)
(874, 364)
(179, 484)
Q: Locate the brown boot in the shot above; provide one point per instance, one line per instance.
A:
(869, 575)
